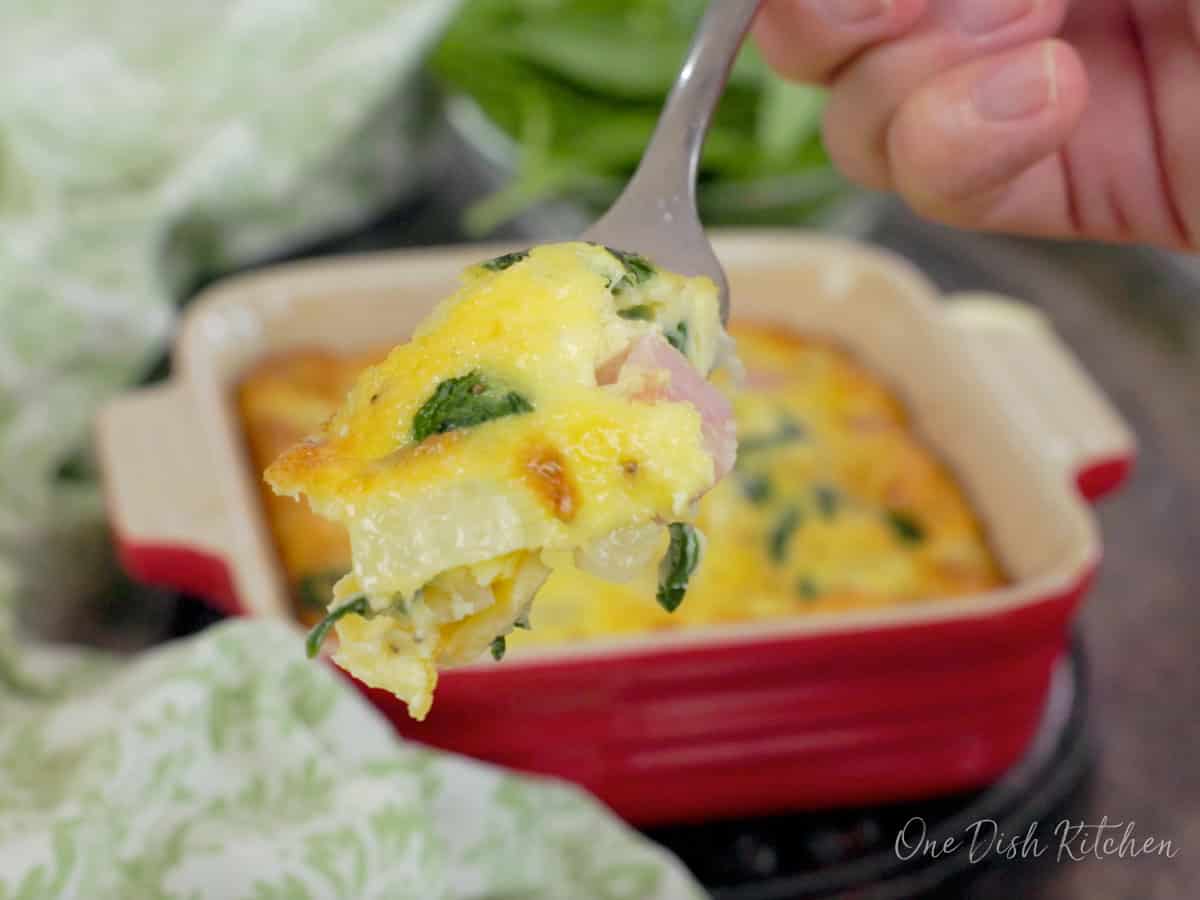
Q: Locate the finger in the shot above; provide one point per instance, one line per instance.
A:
(1147, 83)
(809, 40)
(1039, 202)
(966, 148)
(868, 93)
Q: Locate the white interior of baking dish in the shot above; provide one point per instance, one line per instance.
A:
(1014, 465)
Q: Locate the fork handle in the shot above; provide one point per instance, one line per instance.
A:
(697, 91)
(656, 213)
(671, 161)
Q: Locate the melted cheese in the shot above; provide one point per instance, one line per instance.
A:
(446, 530)
(835, 506)
(843, 554)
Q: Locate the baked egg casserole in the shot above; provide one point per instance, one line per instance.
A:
(834, 506)
(556, 405)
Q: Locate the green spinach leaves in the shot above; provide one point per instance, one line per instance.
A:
(677, 336)
(358, 606)
(465, 401)
(642, 312)
(507, 261)
(906, 526)
(498, 647)
(678, 565)
(638, 270)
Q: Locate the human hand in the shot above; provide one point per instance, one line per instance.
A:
(1043, 117)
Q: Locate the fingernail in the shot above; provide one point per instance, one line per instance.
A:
(855, 12)
(1022, 86)
(981, 16)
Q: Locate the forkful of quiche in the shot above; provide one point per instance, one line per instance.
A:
(558, 401)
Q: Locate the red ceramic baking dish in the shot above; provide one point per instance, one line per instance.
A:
(899, 703)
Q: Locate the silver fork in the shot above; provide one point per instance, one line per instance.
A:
(656, 214)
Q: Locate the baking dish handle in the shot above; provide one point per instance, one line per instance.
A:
(168, 518)
(1045, 389)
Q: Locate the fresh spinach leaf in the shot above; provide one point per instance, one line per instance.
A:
(678, 565)
(600, 53)
(763, 160)
(463, 402)
(508, 260)
(498, 647)
(789, 116)
(677, 337)
(643, 312)
(358, 606)
(907, 528)
(781, 533)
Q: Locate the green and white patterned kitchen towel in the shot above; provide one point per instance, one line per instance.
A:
(141, 144)
(227, 766)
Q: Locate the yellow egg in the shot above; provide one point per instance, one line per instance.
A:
(491, 436)
(834, 506)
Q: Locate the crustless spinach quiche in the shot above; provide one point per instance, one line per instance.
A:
(558, 403)
(834, 504)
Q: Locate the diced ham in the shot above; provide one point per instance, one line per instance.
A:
(682, 384)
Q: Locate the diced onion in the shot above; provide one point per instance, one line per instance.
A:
(622, 554)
